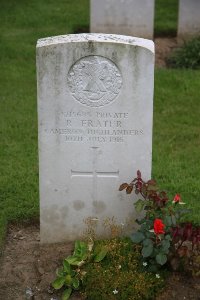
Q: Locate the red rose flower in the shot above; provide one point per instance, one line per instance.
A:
(177, 198)
(158, 226)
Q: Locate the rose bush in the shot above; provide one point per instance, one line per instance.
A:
(160, 233)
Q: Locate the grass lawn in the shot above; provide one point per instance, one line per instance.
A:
(176, 111)
(21, 25)
(176, 136)
(166, 15)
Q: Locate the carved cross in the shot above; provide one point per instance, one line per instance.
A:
(94, 173)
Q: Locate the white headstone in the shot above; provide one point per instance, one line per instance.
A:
(189, 18)
(128, 17)
(95, 104)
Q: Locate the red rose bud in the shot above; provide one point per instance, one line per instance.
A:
(158, 226)
(177, 198)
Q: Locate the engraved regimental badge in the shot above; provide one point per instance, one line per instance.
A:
(94, 81)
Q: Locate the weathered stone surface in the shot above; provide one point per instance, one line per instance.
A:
(189, 18)
(128, 17)
(95, 104)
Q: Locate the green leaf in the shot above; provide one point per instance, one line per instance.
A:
(139, 205)
(73, 273)
(68, 279)
(97, 249)
(73, 260)
(168, 237)
(81, 249)
(60, 272)
(165, 244)
(147, 242)
(161, 259)
(58, 283)
(66, 294)
(66, 266)
(101, 254)
(75, 283)
(168, 221)
(137, 237)
(147, 250)
(148, 234)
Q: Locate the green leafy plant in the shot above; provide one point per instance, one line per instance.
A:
(161, 216)
(188, 56)
(119, 275)
(70, 275)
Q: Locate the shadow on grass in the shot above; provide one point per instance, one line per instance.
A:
(81, 29)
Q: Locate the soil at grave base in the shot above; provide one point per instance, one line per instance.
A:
(27, 264)
(163, 49)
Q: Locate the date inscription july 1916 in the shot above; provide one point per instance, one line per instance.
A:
(94, 81)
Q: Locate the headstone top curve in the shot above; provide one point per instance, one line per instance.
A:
(96, 37)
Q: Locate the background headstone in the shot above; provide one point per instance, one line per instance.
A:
(189, 18)
(128, 17)
(95, 105)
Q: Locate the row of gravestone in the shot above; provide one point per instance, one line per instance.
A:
(136, 17)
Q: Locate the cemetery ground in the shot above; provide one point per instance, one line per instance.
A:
(176, 142)
(28, 268)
